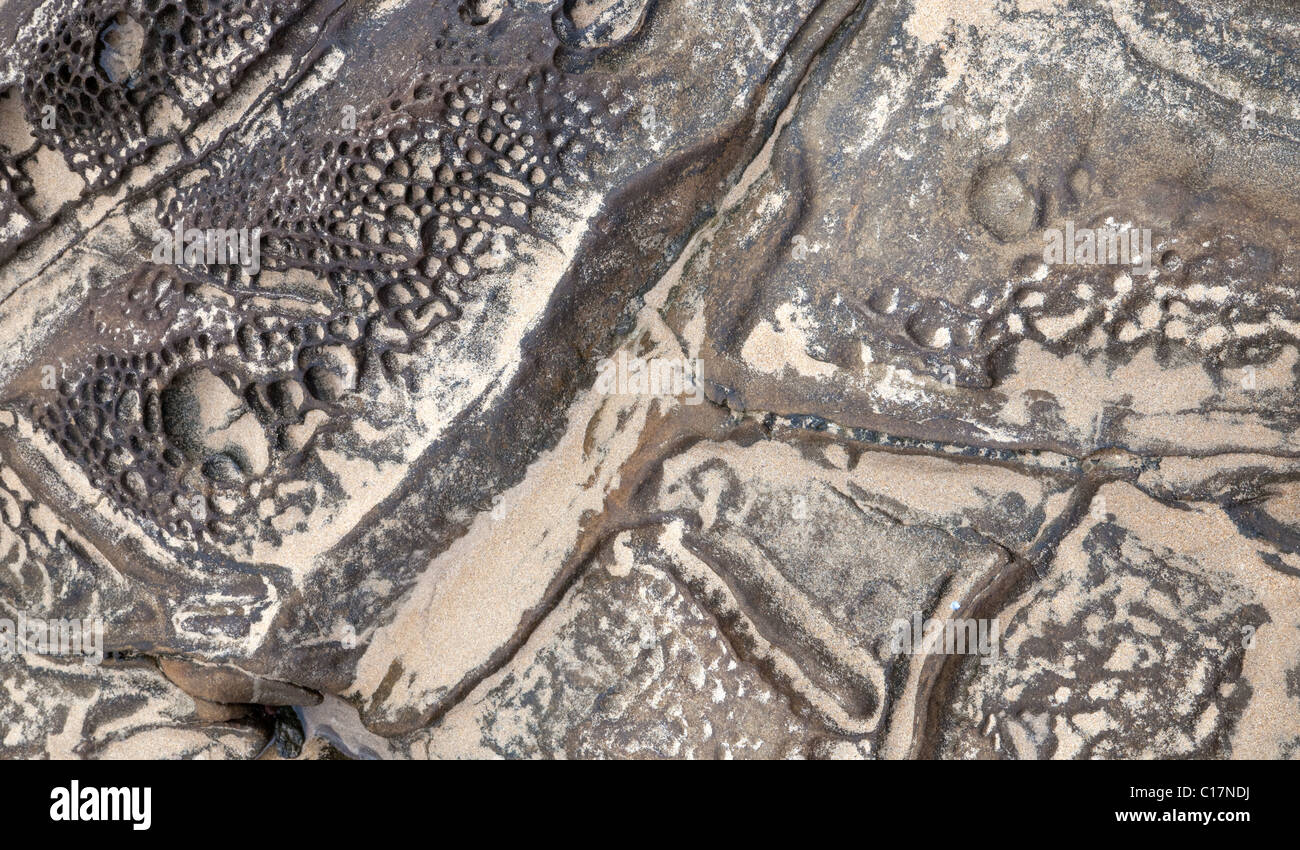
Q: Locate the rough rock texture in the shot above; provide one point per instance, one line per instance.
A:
(353, 469)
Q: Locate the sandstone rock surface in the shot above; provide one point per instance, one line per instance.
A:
(638, 378)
